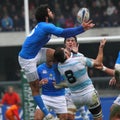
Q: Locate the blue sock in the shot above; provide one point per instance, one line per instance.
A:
(41, 105)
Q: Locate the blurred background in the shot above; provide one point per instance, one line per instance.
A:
(104, 13)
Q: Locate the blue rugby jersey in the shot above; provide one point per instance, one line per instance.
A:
(118, 59)
(41, 34)
(48, 89)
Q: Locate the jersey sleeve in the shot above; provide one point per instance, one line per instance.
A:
(58, 76)
(88, 62)
(52, 29)
(4, 99)
(39, 71)
(60, 32)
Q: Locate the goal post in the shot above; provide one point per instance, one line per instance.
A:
(55, 41)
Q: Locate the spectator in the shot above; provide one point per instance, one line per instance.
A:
(103, 8)
(110, 9)
(10, 97)
(114, 18)
(69, 22)
(60, 21)
(4, 9)
(7, 23)
(75, 9)
(17, 23)
(22, 20)
(13, 11)
(57, 9)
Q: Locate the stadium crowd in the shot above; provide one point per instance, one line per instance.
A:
(104, 13)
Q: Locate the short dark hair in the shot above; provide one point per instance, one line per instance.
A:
(59, 55)
(41, 13)
(70, 37)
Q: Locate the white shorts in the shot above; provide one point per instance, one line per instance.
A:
(117, 100)
(70, 104)
(29, 66)
(56, 103)
(90, 98)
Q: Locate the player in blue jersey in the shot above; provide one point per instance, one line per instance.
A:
(73, 70)
(53, 98)
(30, 53)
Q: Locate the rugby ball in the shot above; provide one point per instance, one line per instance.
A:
(83, 15)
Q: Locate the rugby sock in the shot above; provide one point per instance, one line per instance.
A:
(83, 113)
(41, 105)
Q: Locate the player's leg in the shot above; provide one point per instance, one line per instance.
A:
(117, 68)
(71, 108)
(58, 104)
(83, 113)
(38, 115)
(95, 105)
(29, 67)
(61, 109)
(37, 98)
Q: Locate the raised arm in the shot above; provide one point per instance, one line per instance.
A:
(99, 58)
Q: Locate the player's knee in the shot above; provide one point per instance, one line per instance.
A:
(34, 86)
(37, 118)
(70, 116)
(62, 116)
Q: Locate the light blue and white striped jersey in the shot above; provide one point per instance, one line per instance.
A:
(74, 71)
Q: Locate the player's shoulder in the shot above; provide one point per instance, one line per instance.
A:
(41, 66)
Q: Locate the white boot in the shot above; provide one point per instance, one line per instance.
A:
(50, 117)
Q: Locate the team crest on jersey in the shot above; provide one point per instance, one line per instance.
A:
(50, 75)
(44, 71)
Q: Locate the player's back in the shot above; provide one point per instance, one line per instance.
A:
(74, 70)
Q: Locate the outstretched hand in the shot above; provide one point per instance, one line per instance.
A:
(102, 43)
(112, 81)
(75, 48)
(87, 25)
(43, 82)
